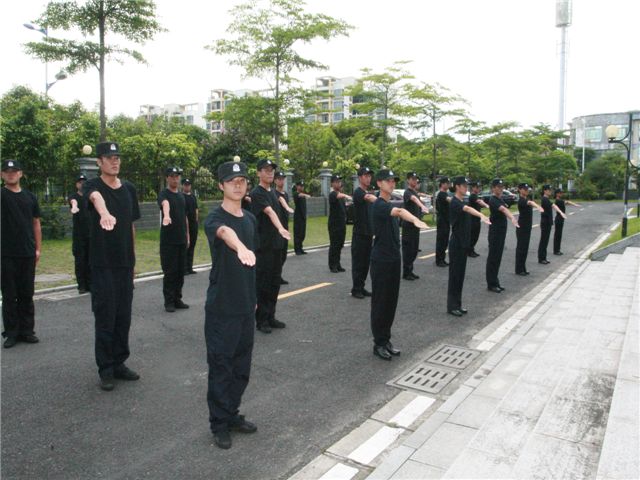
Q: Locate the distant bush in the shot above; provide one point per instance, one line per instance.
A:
(587, 191)
(609, 196)
(53, 222)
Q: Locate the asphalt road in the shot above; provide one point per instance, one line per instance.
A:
(311, 383)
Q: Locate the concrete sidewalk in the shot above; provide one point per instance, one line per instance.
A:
(557, 397)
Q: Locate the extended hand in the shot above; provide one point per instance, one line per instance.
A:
(541, 210)
(486, 220)
(285, 233)
(420, 224)
(246, 257)
(37, 256)
(107, 221)
(563, 215)
(514, 220)
(166, 221)
(75, 209)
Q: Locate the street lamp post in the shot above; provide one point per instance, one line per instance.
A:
(612, 136)
(45, 32)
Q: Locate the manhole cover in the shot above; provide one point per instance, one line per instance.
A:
(426, 378)
(452, 356)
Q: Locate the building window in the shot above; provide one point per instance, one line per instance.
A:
(622, 131)
(337, 92)
(337, 117)
(593, 134)
(324, 118)
(337, 104)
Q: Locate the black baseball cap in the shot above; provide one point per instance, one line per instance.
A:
(172, 171)
(11, 164)
(107, 148)
(557, 191)
(186, 181)
(412, 175)
(546, 186)
(523, 185)
(364, 171)
(473, 183)
(280, 174)
(386, 174)
(496, 181)
(230, 170)
(81, 178)
(460, 180)
(443, 180)
(300, 182)
(335, 178)
(265, 163)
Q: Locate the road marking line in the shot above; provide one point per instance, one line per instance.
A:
(427, 256)
(536, 225)
(340, 472)
(303, 290)
(412, 411)
(581, 209)
(377, 444)
(572, 213)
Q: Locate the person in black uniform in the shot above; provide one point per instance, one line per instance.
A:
(283, 213)
(459, 216)
(230, 306)
(561, 205)
(193, 218)
(497, 234)
(337, 223)
(362, 235)
(80, 236)
(523, 234)
(546, 221)
(477, 204)
(174, 240)
(385, 263)
(113, 207)
(410, 233)
(299, 217)
(264, 206)
(21, 246)
(442, 211)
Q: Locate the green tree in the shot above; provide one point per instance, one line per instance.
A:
(606, 173)
(133, 20)
(264, 43)
(310, 144)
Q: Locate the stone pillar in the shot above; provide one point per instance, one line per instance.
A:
(356, 182)
(88, 166)
(325, 182)
(288, 181)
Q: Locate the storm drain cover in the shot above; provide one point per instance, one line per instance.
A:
(427, 378)
(452, 356)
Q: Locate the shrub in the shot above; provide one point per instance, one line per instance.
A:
(610, 196)
(588, 191)
(53, 222)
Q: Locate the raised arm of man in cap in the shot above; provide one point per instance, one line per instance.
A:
(558, 211)
(507, 213)
(417, 201)
(285, 205)
(107, 221)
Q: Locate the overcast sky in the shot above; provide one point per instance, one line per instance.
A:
(502, 55)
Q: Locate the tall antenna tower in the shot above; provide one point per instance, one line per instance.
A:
(563, 22)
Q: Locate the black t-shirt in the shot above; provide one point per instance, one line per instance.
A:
(498, 219)
(176, 232)
(525, 219)
(460, 225)
(283, 215)
(386, 231)
(300, 203)
(413, 209)
(18, 211)
(81, 219)
(361, 220)
(563, 208)
(191, 205)
(442, 207)
(337, 211)
(232, 285)
(246, 203)
(473, 203)
(547, 215)
(113, 248)
(267, 232)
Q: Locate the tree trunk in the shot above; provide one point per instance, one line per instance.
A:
(103, 116)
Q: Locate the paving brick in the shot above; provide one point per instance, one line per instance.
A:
(426, 430)
(504, 434)
(619, 457)
(496, 385)
(586, 385)
(477, 464)
(474, 411)
(412, 470)
(527, 399)
(444, 445)
(391, 463)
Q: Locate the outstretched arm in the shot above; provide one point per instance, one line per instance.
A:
(408, 217)
(558, 211)
(482, 203)
(74, 206)
(417, 201)
(37, 234)
(507, 213)
(229, 237)
(533, 204)
(568, 202)
(166, 217)
(107, 221)
(476, 213)
(284, 204)
(273, 216)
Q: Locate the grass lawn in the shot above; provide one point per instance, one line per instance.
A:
(633, 227)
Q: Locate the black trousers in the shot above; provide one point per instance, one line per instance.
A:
(299, 232)
(545, 233)
(523, 235)
(268, 274)
(557, 234)
(494, 258)
(410, 245)
(475, 233)
(361, 246)
(193, 238)
(18, 276)
(457, 269)
(172, 259)
(80, 249)
(229, 347)
(442, 241)
(111, 298)
(336, 242)
(385, 287)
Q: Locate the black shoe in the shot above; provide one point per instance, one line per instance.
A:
(441, 264)
(222, 438)
(446, 264)
(455, 313)
(300, 253)
(408, 277)
(366, 292)
(522, 274)
(170, 307)
(106, 383)
(125, 373)
(494, 289)
(391, 349)
(265, 328)
(415, 277)
(333, 269)
(340, 269)
(558, 253)
(10, 342)
(28, 338)
(181, 305)
(359, 295)
(239, 424)
(275, 323)
(381, 351)
(463, 310)
(544, 262)
(502, 289)
(303, 252)
(192, 272)
(82, 290)
(527, 273)
(283, 282)
(474, 254)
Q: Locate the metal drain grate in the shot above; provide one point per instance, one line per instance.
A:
(452, 356)
(426, 378)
